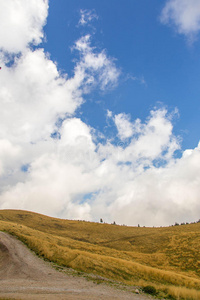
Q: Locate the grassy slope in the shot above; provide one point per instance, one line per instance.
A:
(167, 257)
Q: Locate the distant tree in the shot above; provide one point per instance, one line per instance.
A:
(176, 224)
(138, 225)
(101, 220)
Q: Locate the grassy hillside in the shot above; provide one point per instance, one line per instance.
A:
(167, 258)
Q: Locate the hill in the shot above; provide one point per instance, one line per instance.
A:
(167, 258)
(25, 276)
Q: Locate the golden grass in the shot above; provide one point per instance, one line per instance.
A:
(167, 258)
(184, 293)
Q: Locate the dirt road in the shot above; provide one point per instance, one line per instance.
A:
(24, 276)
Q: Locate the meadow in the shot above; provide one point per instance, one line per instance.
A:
(167, 258)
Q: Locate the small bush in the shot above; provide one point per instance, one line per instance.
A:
(149, 290)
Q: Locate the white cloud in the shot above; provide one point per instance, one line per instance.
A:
(87, 16)
(95, 66)
(58, 176)
(149, 141)
(109, 113)
(125, 128)
(76, 144)
(155, 137)
(21, 23)
(34, 95)
(9, 153)
(50, 188)
(184, 15)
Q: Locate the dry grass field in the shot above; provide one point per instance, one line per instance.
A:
(167, 258)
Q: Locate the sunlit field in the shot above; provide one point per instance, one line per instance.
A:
(167, 258)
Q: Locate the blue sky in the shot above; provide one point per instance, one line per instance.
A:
(100, 109)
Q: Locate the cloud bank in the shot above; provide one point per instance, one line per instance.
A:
(22, 23)
(53, 163)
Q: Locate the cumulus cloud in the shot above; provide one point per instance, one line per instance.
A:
(34, 95)
(22, 23)
(184, 15)
(96, 67)
(124, 126)
(148, 141)
(51, 188)
(8, 155)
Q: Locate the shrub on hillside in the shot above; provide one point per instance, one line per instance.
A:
(149, 290)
